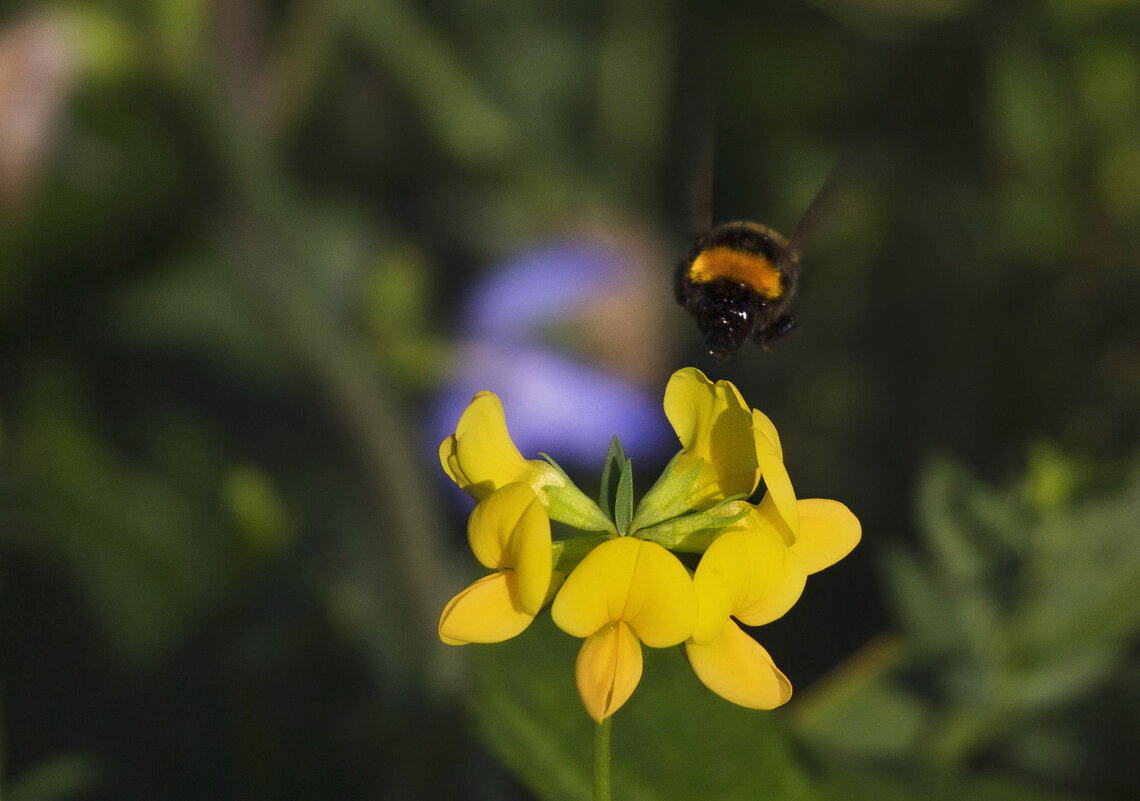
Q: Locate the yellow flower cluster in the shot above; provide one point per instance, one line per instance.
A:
(623, 584)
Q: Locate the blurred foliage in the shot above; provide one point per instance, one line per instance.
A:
(235, 243)
(1019, 626)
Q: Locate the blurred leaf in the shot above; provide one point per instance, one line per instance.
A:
(856, 712)
(180, 26)
(195, 307)
(1107, 72)
(921, 603)
(1029, 106)
(105, 46)
(673, 740)
(1083, 578)
(55, 779)
(1051, 478)
(403, 317)
(843, 786)
(1026, 605)
(139, 548)
(257, 510)
(455, 109)
(1119, 181)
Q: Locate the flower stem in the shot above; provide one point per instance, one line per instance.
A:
(602, 760)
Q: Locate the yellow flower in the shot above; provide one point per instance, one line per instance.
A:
(625, 587)
(726, 449)
(625, 592)
(754, 572)
(714, 425)
(480, 457)
(509, 532)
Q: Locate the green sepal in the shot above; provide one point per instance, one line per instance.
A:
(694, 533)
(568, 553)
(568, 504)
(623, 500)
(611, 474)
(667, 498)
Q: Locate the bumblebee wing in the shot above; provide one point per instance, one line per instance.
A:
(704, 171)
(817, 211)
(696, 148)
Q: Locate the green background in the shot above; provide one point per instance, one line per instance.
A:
(235, 243)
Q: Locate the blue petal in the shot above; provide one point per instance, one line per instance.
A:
(557, 406)
(541, 285)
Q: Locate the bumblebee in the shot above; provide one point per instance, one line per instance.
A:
(738, 281)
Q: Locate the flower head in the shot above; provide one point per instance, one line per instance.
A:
(624, 586)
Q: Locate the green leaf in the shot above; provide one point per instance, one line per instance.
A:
(673, 741)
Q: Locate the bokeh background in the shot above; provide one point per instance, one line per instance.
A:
(256, 256)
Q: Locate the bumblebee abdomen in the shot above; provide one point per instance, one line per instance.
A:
(745, 253)
(754, 270)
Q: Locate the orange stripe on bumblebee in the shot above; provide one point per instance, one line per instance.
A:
(745, 267)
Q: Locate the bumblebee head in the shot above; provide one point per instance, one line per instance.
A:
(726, 319)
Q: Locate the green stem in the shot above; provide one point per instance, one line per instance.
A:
(602, 760)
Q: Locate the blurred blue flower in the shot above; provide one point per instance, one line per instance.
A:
(562, 403)
(541, 286)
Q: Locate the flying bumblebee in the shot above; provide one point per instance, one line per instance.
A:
(738, 281)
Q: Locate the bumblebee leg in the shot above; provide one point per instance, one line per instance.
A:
(778, 330)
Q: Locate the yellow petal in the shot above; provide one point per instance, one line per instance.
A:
(828, 532)
(492, 522)
(632, 581)
(737, 668)
(509, 530)
(767, 510)
(767, 429)
(533, 558)
(449, 460)
(770, 457)
(749, 573)
(480, 456)
(720, 582)
(661, 605)
(714, 424)
(608, 670)
(484, 612)
(593, 594)
(777, 582)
